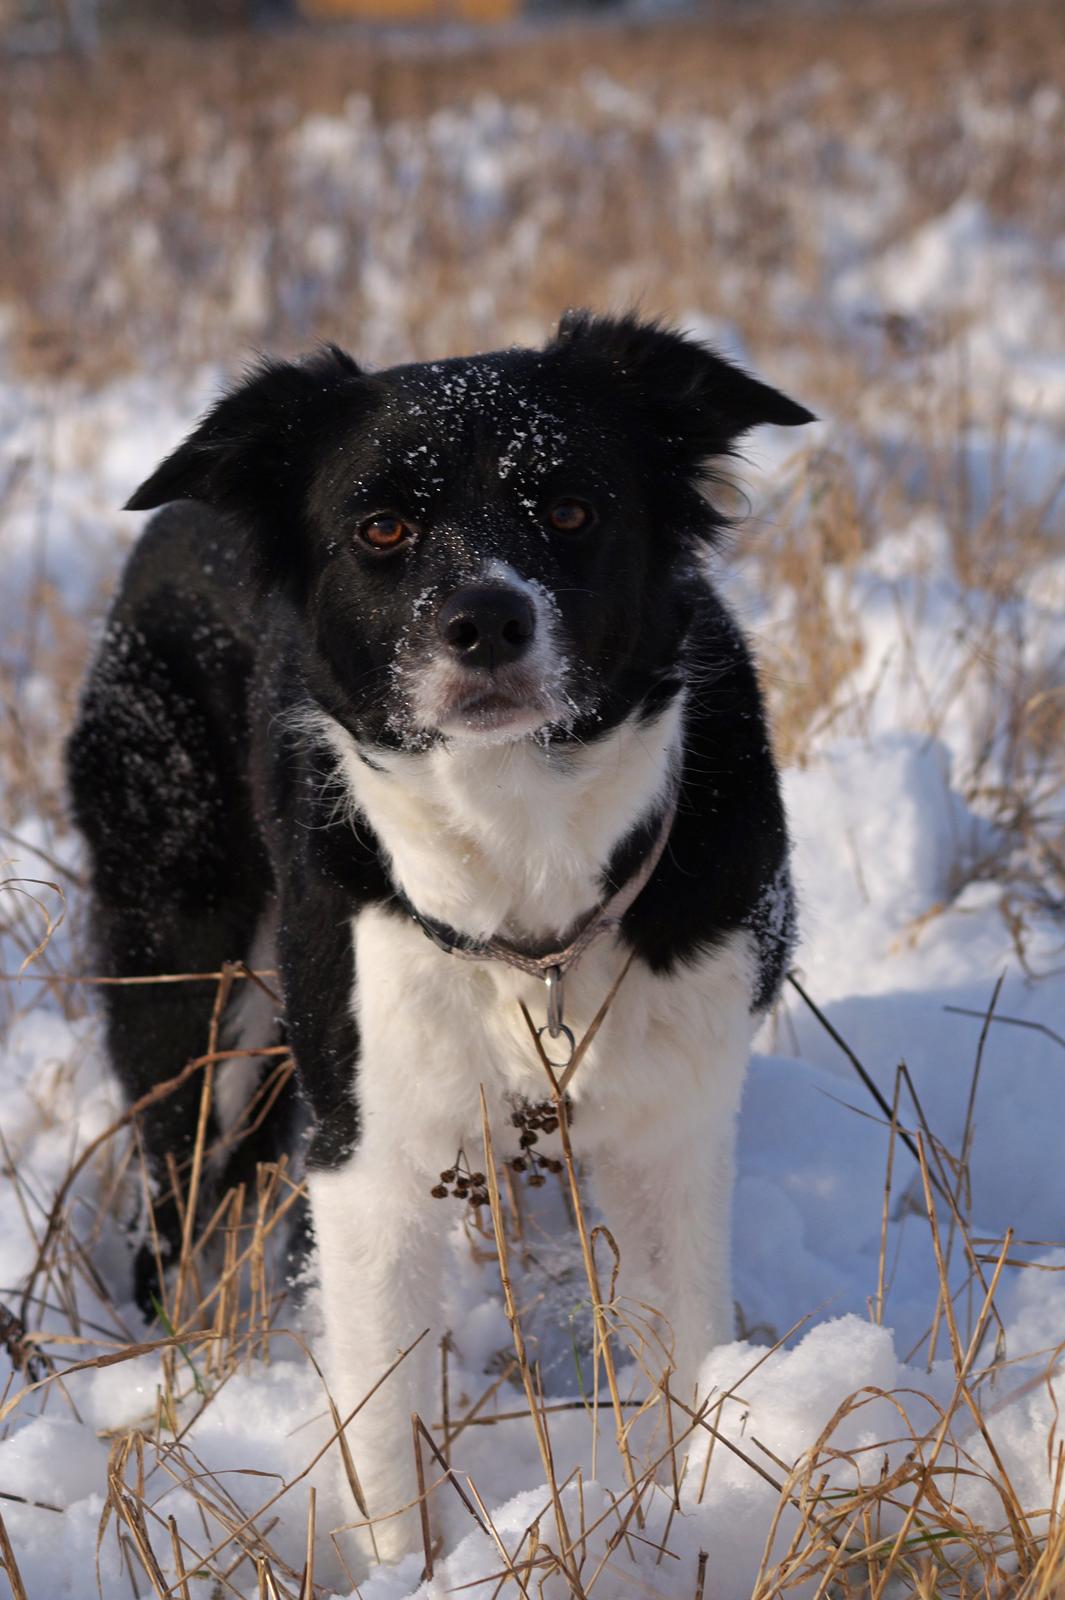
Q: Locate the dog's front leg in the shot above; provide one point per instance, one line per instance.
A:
(380, 1234)
(664, 1170)
(381, 1239)
(670, 1219)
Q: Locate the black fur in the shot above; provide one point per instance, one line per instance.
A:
(205, 806)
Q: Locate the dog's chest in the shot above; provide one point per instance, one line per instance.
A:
(510, 840)
(436, 1029)
(512, 843)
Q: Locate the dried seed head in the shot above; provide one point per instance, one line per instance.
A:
(479, 1197)
(549, 1124)
(526, 1140)
(518, 1164)
(477, 1178)
(448, 1176)
(536, 1180)
(438, 1192)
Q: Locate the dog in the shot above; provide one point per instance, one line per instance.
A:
(418, 691)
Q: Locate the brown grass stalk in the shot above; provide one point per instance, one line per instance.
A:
(10, 1565)
(510, 1307)
(603, 1331)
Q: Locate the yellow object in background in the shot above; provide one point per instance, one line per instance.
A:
(409, 10)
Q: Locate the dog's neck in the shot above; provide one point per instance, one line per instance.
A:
(510, 840)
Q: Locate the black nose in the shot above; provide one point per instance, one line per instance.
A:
(486, 625)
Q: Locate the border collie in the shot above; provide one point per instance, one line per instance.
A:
(421, 694)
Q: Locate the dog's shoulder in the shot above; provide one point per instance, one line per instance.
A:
(726, 868)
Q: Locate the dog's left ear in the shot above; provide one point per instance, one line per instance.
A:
(700, 402)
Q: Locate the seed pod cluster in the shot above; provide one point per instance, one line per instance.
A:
(462, 1184)
(531, 1121)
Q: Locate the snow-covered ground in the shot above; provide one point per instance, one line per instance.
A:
(940, 891)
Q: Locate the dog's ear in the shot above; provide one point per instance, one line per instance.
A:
(252, 455)
(700, 402)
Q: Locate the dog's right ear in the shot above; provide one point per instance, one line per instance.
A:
(253, 454)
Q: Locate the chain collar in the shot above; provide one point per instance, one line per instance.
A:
(555, 965)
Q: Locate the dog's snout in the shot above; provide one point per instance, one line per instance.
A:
(487, 625)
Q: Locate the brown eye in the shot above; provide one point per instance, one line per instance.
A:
(386, 531)
(570, 516)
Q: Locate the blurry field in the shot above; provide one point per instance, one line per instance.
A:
(177, 203)
(869, 209)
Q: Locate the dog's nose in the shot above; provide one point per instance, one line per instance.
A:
(486, 625)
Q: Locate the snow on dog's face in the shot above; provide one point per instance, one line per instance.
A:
(488, 547)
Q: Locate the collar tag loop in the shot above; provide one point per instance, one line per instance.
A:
(553, 980)
(571, 1045)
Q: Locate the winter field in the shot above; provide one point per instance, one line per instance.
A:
(869, 210)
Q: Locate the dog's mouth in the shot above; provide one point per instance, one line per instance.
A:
(509, 703)
(490, 707)
(495, 711)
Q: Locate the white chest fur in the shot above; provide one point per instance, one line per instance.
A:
(510, 839)
(513, 841)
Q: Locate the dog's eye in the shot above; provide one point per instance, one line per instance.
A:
(386, 531)
(570, 516)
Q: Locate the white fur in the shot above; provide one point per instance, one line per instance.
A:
(250, 1022)
(497, 840)
(509, 838)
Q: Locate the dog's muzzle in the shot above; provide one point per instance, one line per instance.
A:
(495, 669)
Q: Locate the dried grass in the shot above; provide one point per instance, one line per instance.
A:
(849, 1521)
(155, 210)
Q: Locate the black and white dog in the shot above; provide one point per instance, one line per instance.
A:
(426, 667)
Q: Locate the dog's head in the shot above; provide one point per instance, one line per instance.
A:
(487, 547)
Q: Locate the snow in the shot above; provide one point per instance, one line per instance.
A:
(906, 921)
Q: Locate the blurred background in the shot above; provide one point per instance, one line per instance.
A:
(185, 180)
